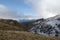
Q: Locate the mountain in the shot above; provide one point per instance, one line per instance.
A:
(13, 30)
(48, 27)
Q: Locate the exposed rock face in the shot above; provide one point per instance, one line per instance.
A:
(48, 27)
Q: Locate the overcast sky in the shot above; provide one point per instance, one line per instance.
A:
(29, 9)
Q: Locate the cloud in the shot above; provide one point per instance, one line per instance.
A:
(45, 8)
(6, 13)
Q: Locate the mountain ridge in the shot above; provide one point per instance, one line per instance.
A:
(48, 27)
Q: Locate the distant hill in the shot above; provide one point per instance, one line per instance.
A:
(8, 24)
(26, 22)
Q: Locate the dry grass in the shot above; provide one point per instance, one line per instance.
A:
(17, 35)
(4, 26)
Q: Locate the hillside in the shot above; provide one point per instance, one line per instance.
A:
(36, 22)
(19, 35)
(47, 27)
(7, 24)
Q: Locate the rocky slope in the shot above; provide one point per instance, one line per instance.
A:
(48, 27)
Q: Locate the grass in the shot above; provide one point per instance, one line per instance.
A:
(4, 26)
(20, 35)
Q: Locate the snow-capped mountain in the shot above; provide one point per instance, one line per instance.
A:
(48, 27)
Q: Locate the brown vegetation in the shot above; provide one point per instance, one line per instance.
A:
(18, 35)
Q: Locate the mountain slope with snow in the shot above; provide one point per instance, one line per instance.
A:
(48, 27)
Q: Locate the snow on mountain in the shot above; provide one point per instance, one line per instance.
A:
(48, 27)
